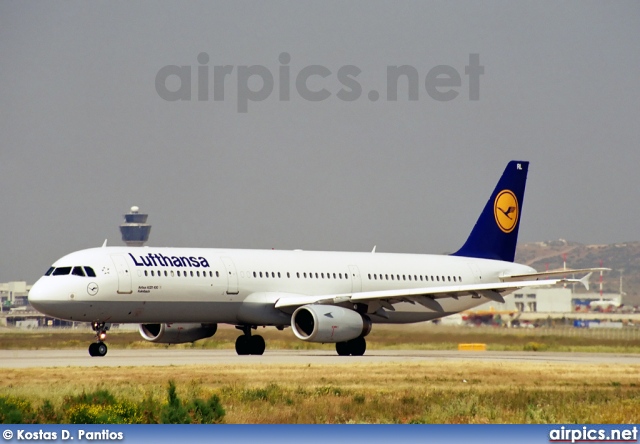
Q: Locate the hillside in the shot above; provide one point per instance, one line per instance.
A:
(623, 256)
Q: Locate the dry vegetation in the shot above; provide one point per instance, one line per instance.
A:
(446, 392)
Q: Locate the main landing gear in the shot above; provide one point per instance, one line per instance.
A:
(247, 344)
(354, 347)
(99, 348)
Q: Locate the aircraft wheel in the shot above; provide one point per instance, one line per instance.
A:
(101, 349)
(98, 349)
(257, 345)
(342, 348)
(242, 345)
(358, 346)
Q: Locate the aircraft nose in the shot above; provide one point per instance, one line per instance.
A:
(46, 295)
(37, 295)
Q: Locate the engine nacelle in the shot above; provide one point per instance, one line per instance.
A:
(328, 323)
(176, 333)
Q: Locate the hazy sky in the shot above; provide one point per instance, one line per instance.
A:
(85, 133)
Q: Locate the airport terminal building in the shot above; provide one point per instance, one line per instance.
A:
(548, 300)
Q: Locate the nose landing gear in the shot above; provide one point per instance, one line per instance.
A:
(99, 348)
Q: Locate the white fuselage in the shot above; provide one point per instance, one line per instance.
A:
(241, 287)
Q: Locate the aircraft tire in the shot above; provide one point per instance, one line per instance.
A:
(357, 346)
(257, 345)
(243, 345)
(98, 349)
(342, 348)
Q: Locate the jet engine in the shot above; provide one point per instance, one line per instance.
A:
(176, 333)
(329, 323)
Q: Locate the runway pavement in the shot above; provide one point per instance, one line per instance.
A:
(165, 357)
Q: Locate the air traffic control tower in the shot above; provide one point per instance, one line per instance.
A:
(135, 229)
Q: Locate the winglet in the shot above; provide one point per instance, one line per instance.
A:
(374, 249)
(104, 243)
(585, 281)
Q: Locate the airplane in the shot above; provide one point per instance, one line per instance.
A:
(180, 295)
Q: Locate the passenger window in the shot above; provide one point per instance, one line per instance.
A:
(152, 273)
(166, 274)
(178, 272)
(171, 273)
(77, 271)
(191, 272)
(278, 274)
(145, 272)
(218, 274)
(404, 277)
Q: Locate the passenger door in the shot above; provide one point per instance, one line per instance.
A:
(232, 275)
(124, 275)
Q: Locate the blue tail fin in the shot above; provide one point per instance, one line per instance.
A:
(495, 234)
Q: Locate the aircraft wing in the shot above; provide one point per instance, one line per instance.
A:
(427, 297)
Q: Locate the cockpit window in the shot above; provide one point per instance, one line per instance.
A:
(61, 271)
(49, 271)
(77, 271)
(90, 272)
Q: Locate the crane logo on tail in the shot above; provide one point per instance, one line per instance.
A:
(505, 210)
